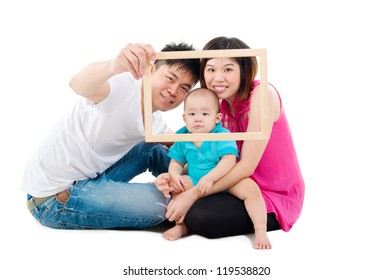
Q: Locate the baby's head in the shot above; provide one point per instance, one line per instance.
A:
(201, 111)
(202, 94)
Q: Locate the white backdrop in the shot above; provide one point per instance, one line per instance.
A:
(331, 62)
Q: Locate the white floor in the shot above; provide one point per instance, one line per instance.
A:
(323, 244)
(104, 254)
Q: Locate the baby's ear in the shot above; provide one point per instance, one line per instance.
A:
(183, 117)
(219, 117)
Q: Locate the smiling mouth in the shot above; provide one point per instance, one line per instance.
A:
(219, 89)
(168, 99)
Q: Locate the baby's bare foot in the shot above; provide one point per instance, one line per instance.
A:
(176, 232)
(261, 240)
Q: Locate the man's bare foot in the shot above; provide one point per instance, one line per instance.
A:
(261, 240)
(176, 232)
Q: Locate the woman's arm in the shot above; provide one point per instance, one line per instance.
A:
(252, 150)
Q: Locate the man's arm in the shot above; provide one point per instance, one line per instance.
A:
(92, 81)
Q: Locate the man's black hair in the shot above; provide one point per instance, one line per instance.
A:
(187, 64)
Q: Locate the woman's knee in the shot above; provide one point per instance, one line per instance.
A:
(198, 224)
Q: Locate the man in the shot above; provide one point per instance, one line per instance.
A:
(79, 176)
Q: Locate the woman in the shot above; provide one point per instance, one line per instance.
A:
(272, 164)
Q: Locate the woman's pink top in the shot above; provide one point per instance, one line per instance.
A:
(278, 173)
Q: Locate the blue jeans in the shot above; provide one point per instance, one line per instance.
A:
(109, 201)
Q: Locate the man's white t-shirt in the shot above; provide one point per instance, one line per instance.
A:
(89, 139)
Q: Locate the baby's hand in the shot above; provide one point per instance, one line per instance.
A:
(204, 185)
(176, 183)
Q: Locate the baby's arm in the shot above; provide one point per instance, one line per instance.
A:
(226, 163)
(175, 171)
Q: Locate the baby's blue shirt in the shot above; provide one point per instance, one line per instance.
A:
(202, 160)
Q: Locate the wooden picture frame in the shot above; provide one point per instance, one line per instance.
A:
(265, 124)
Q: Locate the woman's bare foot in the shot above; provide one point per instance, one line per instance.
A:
(261, 240)
(176, 232)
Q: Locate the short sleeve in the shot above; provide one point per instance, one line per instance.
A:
(176, 152)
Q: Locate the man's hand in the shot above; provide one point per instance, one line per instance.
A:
(162, 184)
(132, 58)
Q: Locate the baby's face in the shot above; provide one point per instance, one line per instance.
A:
(201, 113)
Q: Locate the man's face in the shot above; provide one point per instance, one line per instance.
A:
(169, 86)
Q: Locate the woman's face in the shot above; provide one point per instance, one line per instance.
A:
(222, 76)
